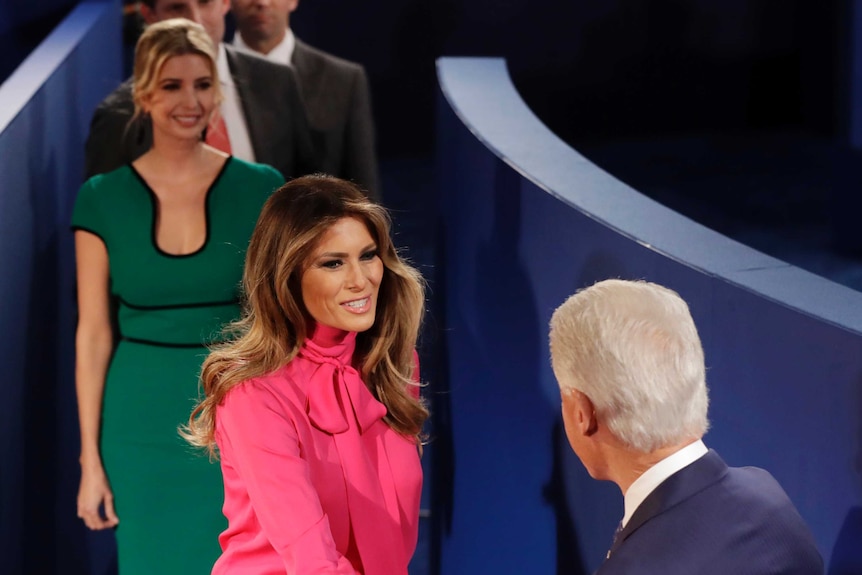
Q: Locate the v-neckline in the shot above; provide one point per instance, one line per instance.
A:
(154, 199)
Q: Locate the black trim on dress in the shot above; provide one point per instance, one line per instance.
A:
(155, 206)
(166, 344)
(235, 301)
(88, 230)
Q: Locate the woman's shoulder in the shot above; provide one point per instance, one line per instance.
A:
(259, 405)
(104, 192)
(116, 178)
(279, 386)
(248, 183)
(255, 170)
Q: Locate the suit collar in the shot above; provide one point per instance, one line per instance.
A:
(236, 67)
(223, 66)
(246, 82)
(307, 61)
(242, 78)
(299, 59)
(683, 484)
(655, 475)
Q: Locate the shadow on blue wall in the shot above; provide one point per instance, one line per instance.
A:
(440, 425)
(507, 480)
(569, 559)
(847, 554)
(44, 373)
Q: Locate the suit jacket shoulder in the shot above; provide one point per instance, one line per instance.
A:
(328, 85)
(114, 139)
(276, 120)
(306, 57)
(711, 519)
(337, 98)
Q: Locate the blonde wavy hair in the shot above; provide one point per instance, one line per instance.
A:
(275, 322)
(162, 41)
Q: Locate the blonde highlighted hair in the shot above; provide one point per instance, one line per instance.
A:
(275, 322)
(162, 41)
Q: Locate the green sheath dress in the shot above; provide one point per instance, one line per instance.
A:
(168, 495)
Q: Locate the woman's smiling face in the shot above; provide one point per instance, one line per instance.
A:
(183, 98)
(342, 279)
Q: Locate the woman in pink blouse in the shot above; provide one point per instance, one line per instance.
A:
(313, 406)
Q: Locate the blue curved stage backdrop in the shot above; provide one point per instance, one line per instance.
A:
(45, 106)
(527, 221)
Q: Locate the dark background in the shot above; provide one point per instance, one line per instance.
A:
(602, 70)
(592, 71)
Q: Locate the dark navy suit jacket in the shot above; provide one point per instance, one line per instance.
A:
(711, 519)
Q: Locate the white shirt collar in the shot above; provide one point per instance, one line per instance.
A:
(224, 75)
(655, 475)
(282, 53)
(232, 112)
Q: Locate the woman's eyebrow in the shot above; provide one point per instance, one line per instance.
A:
(370, 246)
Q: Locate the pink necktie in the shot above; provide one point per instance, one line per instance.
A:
(217, 134)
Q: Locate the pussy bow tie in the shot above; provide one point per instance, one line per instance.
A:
(337, 393)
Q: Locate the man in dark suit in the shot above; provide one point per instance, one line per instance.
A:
(263, 114)
(335, 91)
(631, 371)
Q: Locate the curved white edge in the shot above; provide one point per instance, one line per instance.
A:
(19, 88)
(482, 95)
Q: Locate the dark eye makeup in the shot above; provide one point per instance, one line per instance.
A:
(369, 255)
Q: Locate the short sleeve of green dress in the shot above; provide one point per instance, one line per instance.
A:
(168, 496)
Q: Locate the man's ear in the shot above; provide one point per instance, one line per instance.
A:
(147, 13)
(585, 414)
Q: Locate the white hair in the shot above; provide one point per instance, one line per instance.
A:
(632, 348)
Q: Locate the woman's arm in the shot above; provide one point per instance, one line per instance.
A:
(257, 438)
(93, 344)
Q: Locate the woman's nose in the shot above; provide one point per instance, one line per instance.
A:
(356, 277)
(190, 97)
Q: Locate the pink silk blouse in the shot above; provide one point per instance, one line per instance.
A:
(315, 481)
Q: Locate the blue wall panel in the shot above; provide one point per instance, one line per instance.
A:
(45, 107)
(527, 222)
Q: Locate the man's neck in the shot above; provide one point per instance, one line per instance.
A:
(630, 464)
(649, 480)
(263, 45)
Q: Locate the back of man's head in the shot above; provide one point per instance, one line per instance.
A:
(632, 348)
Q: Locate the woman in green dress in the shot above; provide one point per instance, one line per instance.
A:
(165, 236)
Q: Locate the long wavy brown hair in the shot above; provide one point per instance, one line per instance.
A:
(275, 322)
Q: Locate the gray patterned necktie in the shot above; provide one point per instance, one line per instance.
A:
(617, 532)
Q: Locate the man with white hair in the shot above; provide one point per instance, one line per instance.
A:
(631, 371)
